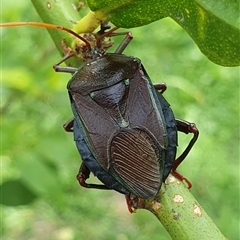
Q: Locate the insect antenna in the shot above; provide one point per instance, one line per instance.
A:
(46, 25)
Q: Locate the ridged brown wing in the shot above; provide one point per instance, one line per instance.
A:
(134, 160)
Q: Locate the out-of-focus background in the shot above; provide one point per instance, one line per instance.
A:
(40, 195)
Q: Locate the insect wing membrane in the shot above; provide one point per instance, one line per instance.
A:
(134, 157)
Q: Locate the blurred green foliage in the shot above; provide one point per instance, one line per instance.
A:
(39, 160)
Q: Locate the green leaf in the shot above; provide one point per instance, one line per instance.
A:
(228, 10)
(15, 193)
(212, 26)
(37, 175)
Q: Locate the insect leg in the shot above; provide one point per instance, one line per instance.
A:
(68, 126)
(112, 33)
(83, 175)
(69, 54)
(185, 127)
(161, 87)
(125, 41)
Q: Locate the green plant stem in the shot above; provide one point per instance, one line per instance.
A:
(180, 213)
(61, 13)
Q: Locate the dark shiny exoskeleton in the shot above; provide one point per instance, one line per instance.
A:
(124, 129)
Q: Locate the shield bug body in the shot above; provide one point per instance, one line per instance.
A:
(124, 129)
(128, 127)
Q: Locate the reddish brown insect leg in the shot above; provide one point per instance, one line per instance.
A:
(161, 87)
(66, 49)
(68, 54)
(68, 126)
(185, 127)
(83, 175)
(129, 204)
